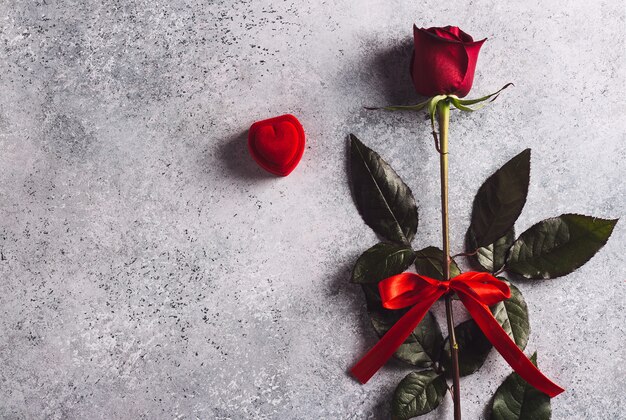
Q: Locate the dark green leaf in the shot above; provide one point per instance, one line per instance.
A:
(499, 201)
(383, 199)
(559, 245)
(474, 347)
(428, 262)
(418, 393)
(372, 296)
(381, 261)
(492, 257)
(422, 348)
(515, 399)
(512, 314)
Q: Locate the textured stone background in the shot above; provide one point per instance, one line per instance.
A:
(148, 269)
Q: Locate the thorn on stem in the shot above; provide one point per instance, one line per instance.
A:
(451, 389)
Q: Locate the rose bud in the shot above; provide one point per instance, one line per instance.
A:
(444, 60)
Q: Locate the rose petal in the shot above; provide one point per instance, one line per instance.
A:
(472, 50)
(442, 33)
(459, 34)
(439, 65)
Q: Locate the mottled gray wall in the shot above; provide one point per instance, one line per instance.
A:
(150, 270)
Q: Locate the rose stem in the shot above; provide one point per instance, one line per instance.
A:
(444, 117)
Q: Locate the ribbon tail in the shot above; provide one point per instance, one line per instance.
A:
(389, 343)
(507, 347)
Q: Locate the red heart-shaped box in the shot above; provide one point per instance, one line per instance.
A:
(277, 144)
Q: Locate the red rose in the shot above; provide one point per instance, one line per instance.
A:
(443, 61)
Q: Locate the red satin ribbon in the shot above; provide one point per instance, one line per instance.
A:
(477, 291)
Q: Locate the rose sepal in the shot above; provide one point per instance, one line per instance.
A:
(458, 103)
(462, 104)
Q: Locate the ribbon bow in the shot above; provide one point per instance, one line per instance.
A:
(477, 291)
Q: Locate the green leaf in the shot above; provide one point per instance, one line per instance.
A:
(418, 393)
(557, 246)
(492, 257)
(499, 201)
(512, 314)
(372, 297)
(515, 399)
(381, 261)
(423, 347)
(385, 202)
(474, 347)
(428, 262)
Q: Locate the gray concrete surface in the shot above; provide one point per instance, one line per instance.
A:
(150, 270)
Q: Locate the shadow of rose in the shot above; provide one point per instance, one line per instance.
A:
(340, 287)
(391, 67)
(388, 72)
